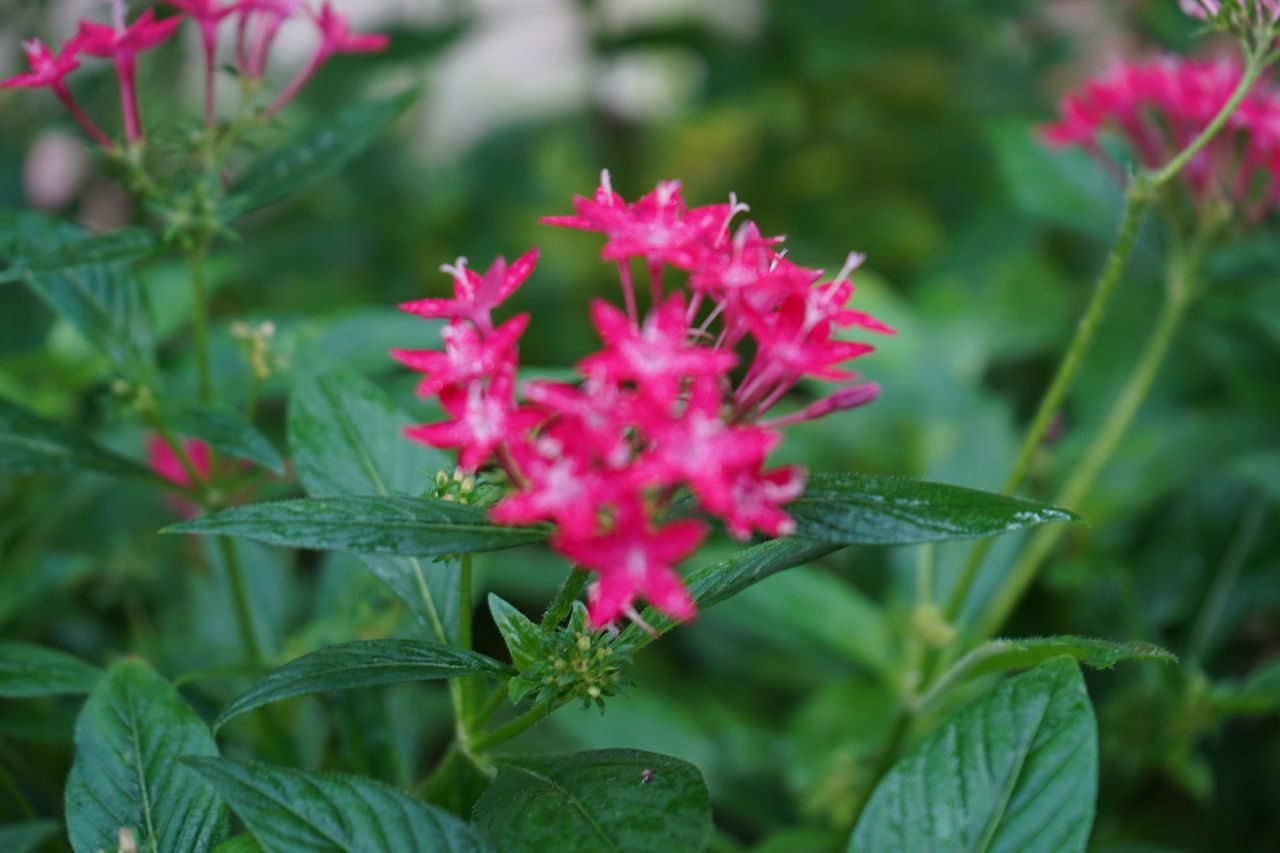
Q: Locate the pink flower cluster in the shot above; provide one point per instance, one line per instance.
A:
(674, 400)
(258, 23)
(1161, 106)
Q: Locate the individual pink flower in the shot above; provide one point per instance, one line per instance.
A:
(335, 37)
(1160, 107)
(484, 417)
(208, 15)
(636, 559)
(474, 295)
(164, 461)
(467, 355)
(257, 27)
(123, 44)
(50, 70)
(656, 356)
(561, 486)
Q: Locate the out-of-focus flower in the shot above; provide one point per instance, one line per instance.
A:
(122, 43)
(335, 37)
(659, 412)
(164, 461)
(208, 15)
(50, 70)
(1159, 107)
(1234, 12)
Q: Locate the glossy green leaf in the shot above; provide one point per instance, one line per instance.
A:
(420, 527)
(1014, 772)
(291, 811)
(600, 801)
(30, 443)
(712, 584)
(863, 509)
(103, 301)
(27, 836)
(522, 635)
(362, 664)
(129, 737)
(28, 670)
(127, 244)
(242, 843)
(227, 431)
(347, 438)
(1004, 655)
(316, 152)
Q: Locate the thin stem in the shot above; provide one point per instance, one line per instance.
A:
(240, 597)
(199, 316)
(506, 732)
(19, 798)
(1137, 200)
(491, 706)
(468, 686)
(179, 450)
(1122, 413)
(1224, 580)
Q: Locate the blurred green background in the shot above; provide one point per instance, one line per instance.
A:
(903, 130)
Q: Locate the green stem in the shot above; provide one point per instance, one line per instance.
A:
(1118, 420)
(199, 316)
(240, 597)
(1141, 193)
(1228, 571)
(469, 686)
(1137, 200)
(506, 732)
(485, 712)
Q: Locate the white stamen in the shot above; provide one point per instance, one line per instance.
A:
(777, 259)
(457, 269)
(118, 10)
(851, 263)
(630, 612)
(606, 181)
(735, 207)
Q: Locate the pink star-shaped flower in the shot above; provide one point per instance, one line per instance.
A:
(655, 356)
(123, 44)
(335, 37)
(475, 296)
(560, 486)
(484, 417)
(467, 355)
(50, 69)
(592, 417)
(755, 501)
(636, 559)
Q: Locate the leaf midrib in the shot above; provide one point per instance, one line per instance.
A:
(577, 804)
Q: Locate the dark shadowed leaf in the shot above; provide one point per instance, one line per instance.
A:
(29, 443)
(290, 811)
(27, 836)
(228, 431)
(129, 737)
(243, 843)
(1014, 772)
(347, 438)
(420, 527)
(362, 664)
(862, 509)
(601, 801)
(316, 152)
(28, 670)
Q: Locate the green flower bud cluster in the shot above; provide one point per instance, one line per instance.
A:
(576, 662)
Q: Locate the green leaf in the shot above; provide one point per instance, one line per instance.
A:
(27, 836)
(418, 527)
(30, 443)
(104, 302)
(362, 664)
(523, 637)
(1014, 772)
(242, 843)
(28, 670)
(712, 584)
(129, 737)
(226, 430)
(290, 811)
(862, 509)
(347, 438)
(127, 244)
(317, 152)
(614, 800)
(1004, 655)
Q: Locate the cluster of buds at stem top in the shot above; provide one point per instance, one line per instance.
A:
(258, 23)
(677, 401)
(1160, 107)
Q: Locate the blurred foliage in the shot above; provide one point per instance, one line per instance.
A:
(899, 129)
